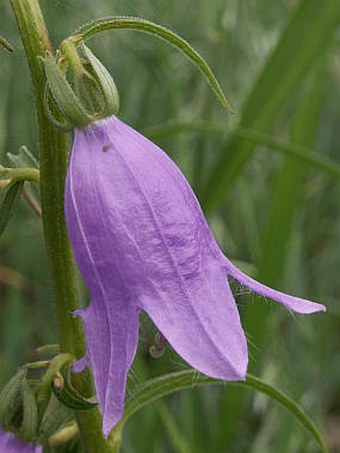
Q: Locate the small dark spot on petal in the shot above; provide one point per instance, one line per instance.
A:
(105, 148)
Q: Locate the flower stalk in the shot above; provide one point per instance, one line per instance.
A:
(14, 175)
(53, 164)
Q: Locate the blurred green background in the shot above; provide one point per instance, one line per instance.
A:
(275, 213)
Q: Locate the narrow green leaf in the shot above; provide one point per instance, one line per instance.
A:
(9, 204)
(146, 26)
(155, 389)
(5, 44)
(298, 152)
(307, 36)
(286, 202)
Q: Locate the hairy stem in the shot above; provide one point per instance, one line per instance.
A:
(53, 165)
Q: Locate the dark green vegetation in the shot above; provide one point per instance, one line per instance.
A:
(268, 208)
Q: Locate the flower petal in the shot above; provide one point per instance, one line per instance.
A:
(111, 346)
(292, 303)
(10, 444)
(111, 320)
(199, 318)
(142, 242)
(184, 289)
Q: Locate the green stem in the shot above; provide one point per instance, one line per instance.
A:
(20, 174)
(53, 166)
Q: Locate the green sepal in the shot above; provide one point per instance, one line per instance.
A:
(9, 204)
(65, 392)
(68, 103)
(90, 93)
(43, 389)
(10, 399)
(53, 113)
(87, 89)
(105, 82)
(18, 408)
(28, 429)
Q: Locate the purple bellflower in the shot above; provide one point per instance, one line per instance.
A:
(10, 444)
(142, 243)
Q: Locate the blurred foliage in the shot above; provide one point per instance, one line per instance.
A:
(279, 214)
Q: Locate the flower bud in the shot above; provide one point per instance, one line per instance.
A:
(79, 90)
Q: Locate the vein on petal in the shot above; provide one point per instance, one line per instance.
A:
(171, 257)
(88, 250)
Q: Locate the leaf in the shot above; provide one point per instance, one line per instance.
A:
(298, 152)
(157, 388)
(307, 36)
(9, 204)
(135, 23)
(287, 195)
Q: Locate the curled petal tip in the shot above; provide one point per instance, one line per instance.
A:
(296, 304)
(306, 307)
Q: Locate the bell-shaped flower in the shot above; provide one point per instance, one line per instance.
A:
(10, 444)
(142, 243)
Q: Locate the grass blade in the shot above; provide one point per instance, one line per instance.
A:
(286, 199)
(307, 36)
(299, 152)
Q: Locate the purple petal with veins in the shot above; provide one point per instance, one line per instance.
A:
(142, 243)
